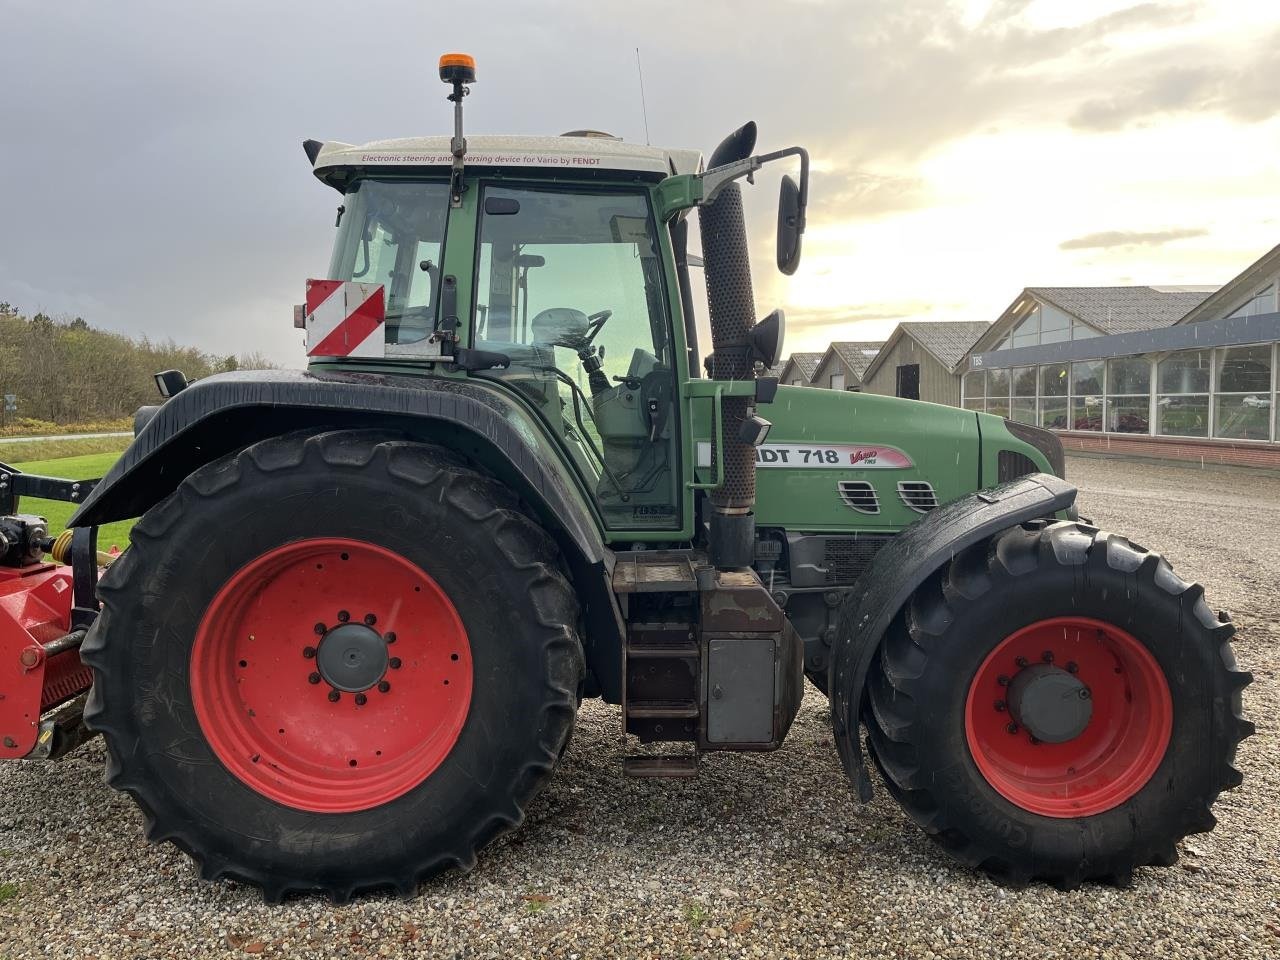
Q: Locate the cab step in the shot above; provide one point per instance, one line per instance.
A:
(659, 765)
(662, 709)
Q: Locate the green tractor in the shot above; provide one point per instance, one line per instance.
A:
(346, 646)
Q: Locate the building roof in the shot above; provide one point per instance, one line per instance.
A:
(948, 341)
(806, 363)
(569, 154)
(1125, 309)
(856, 354)
(1236, 292)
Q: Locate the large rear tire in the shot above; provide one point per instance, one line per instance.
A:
(1092, 642)
(336, 663)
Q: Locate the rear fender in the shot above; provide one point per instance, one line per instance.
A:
(224, 413)
(903, 565)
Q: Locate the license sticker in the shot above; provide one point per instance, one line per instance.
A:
(830, 456)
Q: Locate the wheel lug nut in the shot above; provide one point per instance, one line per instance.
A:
(334, 696)
(370, 619)
(1035, 741)
(1085, 694)
(383, 686)
(1012, 728)
(314, 678)
(320, 629)
(1073, 667)
(1047, 656)
(344, 616)
(1002, 680)
(394, 663)
(390, 637)
(309, 652)
(1021, 661)
(1000, 706)
(361, 699)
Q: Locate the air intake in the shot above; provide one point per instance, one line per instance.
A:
(859, 495)
(1011, 465)
(918, 495)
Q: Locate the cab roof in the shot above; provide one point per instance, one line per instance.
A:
(571, 154)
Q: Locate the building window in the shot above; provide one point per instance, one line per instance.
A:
(1087, 380)
(1045, 324)
(998, 392)
(909, 381)
(1129, 395)
(1244, 393)
(974, 386)
(1182, 406)
(837, 381)
(1264, 301)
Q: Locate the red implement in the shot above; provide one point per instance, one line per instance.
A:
(37, 672)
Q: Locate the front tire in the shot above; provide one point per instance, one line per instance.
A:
(1118, 664)
(335, 663)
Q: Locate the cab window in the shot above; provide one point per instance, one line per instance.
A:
(569, 286)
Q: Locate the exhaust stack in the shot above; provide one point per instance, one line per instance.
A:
(732, 311)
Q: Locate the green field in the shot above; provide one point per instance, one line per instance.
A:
(84, 467)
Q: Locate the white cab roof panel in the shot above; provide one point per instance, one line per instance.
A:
(567, 153)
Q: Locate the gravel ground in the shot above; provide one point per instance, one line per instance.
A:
(760, 856)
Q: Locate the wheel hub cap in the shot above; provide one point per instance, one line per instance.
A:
(1052, 704)
(352, 657)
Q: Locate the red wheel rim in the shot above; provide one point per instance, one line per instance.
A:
(265, 706)
(1120, 747)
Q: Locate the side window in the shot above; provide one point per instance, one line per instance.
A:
(569, 286)
(392, 233)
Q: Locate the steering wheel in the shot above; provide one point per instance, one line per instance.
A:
(596, 322)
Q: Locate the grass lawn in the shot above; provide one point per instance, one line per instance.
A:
(85, 467)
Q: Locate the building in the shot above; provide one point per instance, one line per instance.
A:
(799, 369)
(920, 361)
(845, 364)
(1180, 372)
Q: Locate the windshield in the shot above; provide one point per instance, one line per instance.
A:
(569, 287)
(391, 232)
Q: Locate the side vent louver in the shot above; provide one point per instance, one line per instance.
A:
(918, 495)
(859, 495)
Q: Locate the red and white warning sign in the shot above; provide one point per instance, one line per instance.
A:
(345, 319)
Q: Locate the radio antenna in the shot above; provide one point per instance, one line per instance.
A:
(644, 110)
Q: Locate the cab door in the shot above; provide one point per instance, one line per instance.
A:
(570, 285)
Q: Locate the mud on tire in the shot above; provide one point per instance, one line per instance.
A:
(915, 708)
(465, 530)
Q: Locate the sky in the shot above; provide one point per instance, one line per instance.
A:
(154, 183)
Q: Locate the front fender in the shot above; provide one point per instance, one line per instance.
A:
(899, 568)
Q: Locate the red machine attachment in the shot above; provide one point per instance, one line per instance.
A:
(40, 669)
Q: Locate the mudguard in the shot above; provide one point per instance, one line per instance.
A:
(223, 413)
(903, 565)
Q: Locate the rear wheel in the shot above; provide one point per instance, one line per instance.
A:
(340, 662)
(1057, 704)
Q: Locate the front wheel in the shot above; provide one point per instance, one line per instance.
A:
(1057, 704)
(335, 663)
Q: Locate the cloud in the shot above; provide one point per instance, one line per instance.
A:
(854, 194)
(846, 316)
(1108, 239)
(1237, 84)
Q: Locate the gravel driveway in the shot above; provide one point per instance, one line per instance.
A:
(760, 856)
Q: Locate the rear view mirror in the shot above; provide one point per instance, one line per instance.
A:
(790, 225)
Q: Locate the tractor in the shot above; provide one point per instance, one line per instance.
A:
(362, 602)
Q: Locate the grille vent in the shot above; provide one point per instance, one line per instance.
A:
(859, 495)
(1011, 465)
(918, 495)
(846, 558)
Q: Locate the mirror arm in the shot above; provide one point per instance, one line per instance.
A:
(717, 178)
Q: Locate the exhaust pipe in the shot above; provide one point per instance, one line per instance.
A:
(732, 311)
